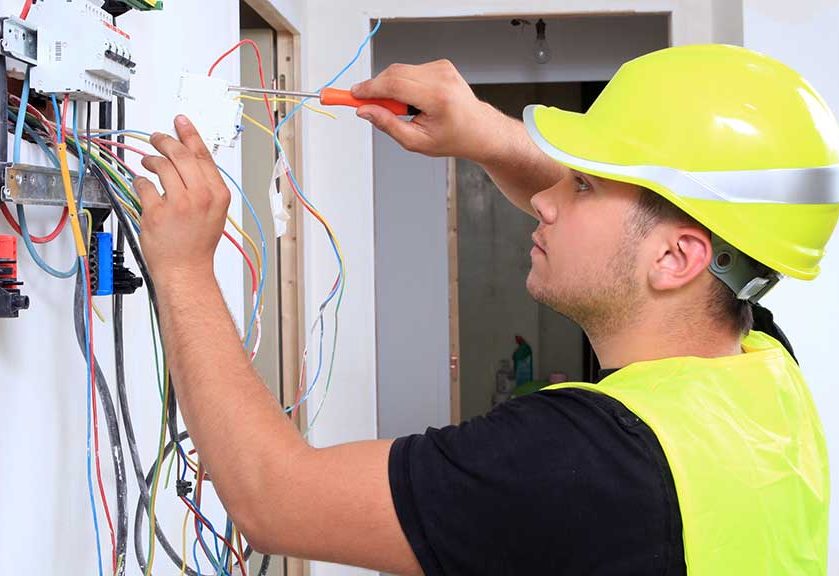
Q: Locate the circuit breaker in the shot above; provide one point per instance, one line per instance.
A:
(80, 52)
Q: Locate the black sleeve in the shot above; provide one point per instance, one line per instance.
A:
(558, 482)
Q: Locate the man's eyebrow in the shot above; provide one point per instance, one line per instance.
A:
(597, 179)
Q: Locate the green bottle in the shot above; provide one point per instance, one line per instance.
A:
(523, 362)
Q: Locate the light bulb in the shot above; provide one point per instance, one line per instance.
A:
(541, 48)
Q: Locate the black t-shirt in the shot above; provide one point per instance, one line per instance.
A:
(558, 482)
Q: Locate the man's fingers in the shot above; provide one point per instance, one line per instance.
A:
(166, 172)
(183, 160)
(193, 141)
(149, 197)
(397, 87)
(405, 133)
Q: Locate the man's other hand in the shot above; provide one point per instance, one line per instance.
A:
(181, 229)
(453, 121)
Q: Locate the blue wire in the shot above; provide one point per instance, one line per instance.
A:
(21, 118)
(342, 272)
(59, 121)
(334, 79)
(261, 287)
(213, 560)
(195, 555)
(24, 232)
(118, 132)
(87, 328)
(21, 214)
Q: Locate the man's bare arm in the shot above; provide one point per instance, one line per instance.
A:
(455, 123)
(329, 504)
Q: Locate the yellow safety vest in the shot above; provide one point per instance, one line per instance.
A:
(747, 452)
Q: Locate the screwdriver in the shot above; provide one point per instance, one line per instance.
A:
(335, 97)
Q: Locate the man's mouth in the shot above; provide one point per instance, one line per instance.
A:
(537, 244)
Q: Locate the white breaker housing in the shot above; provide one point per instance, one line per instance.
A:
(215, 112)
(79, 51)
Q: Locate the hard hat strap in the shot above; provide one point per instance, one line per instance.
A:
(748, 279)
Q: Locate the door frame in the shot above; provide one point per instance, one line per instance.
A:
(289, 296)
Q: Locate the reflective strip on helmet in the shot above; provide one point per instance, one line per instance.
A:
(778, 186)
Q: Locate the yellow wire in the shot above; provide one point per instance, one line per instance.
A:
(71, 201)
(250, 242)
(291, 100)
(183, 547)
(156, 481)
(259, 125)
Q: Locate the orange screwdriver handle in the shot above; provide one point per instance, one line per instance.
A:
(335, 97)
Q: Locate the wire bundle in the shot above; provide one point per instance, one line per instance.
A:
(101, 157)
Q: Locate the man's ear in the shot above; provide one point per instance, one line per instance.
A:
(682, 254)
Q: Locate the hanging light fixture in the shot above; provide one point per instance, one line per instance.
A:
(541, 48)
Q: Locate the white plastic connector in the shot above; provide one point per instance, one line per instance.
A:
(278, 209)
(213, 109)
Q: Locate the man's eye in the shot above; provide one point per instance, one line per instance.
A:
(582, 185)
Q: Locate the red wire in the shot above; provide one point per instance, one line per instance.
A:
(7, 214)
(95, 417)
(262, 84)
(36, 239)
(119, 160)
(199, 481)
(64, 108)
(27, 6)
(254, 277)
(119, 145)
(226, 542)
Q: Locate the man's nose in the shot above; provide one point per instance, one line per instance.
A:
(544, 207)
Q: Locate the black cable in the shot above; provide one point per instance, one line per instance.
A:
(266, 564)
(126, 232)
(138, 516)
(143, 501)
(110, 416)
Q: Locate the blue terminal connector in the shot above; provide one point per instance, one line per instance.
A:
(102, 264)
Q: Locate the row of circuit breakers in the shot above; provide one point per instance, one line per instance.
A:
(71, 47)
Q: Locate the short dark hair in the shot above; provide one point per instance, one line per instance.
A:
(722, 301)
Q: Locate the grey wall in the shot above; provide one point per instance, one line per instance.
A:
(412, 321)
(493, 51)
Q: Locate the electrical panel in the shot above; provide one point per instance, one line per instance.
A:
(80, 52)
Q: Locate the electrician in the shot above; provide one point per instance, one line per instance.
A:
(699, 178)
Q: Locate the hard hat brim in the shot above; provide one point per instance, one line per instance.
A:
(584, 146)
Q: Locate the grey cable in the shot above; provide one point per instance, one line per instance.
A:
(110, 418)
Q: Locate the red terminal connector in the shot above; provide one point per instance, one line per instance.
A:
(11, 300)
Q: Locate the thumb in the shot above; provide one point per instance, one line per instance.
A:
(404, 132)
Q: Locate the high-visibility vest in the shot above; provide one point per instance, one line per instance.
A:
(747, 452)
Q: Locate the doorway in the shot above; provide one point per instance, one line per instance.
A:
(493, 243)
(451, 253)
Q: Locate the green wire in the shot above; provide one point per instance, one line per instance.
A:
(156, 358)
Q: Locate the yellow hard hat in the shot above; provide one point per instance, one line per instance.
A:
(736, 139)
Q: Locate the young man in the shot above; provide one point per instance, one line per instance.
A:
(699, 176)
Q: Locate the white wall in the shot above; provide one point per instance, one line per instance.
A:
(46, 525)
(806, 39)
